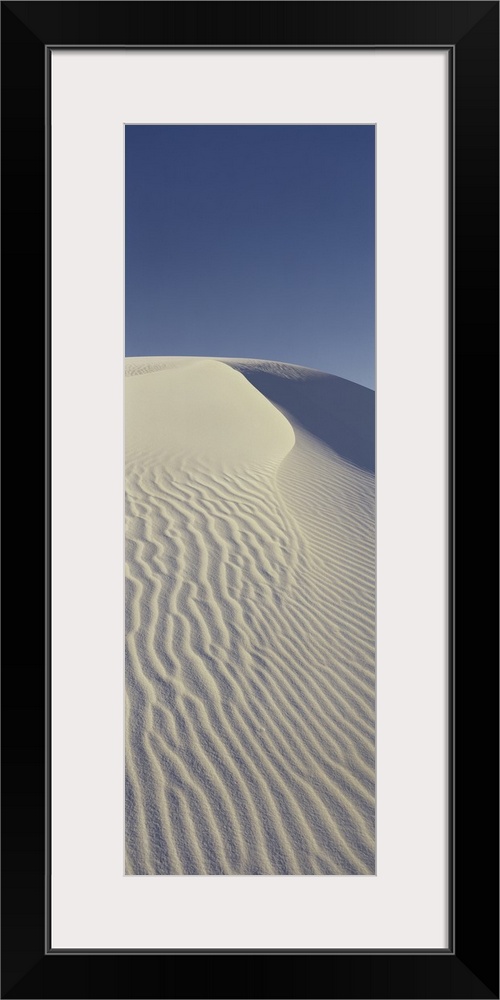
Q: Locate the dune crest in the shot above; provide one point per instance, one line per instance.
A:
(204, 409)
(250, 617)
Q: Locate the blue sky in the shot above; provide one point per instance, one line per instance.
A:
(252, 241)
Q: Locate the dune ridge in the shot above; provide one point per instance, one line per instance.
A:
(250, 594)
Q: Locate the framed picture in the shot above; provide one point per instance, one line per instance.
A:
(308, 766)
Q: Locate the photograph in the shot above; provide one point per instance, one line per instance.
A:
(255, 261)
(250, 645)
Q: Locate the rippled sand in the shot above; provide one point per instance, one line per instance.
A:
(250, 620)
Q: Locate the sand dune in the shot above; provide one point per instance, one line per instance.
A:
(250, 620)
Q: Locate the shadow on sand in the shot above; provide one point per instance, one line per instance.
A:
(338, 412)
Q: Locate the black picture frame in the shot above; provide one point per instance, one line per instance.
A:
(469, 968)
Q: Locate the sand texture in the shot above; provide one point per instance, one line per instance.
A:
(250, 620)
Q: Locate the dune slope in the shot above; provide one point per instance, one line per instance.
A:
(250, 597)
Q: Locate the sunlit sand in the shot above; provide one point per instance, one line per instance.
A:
(250, 620)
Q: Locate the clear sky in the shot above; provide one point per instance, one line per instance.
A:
(253, 241)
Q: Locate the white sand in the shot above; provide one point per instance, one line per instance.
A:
(250, 618)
